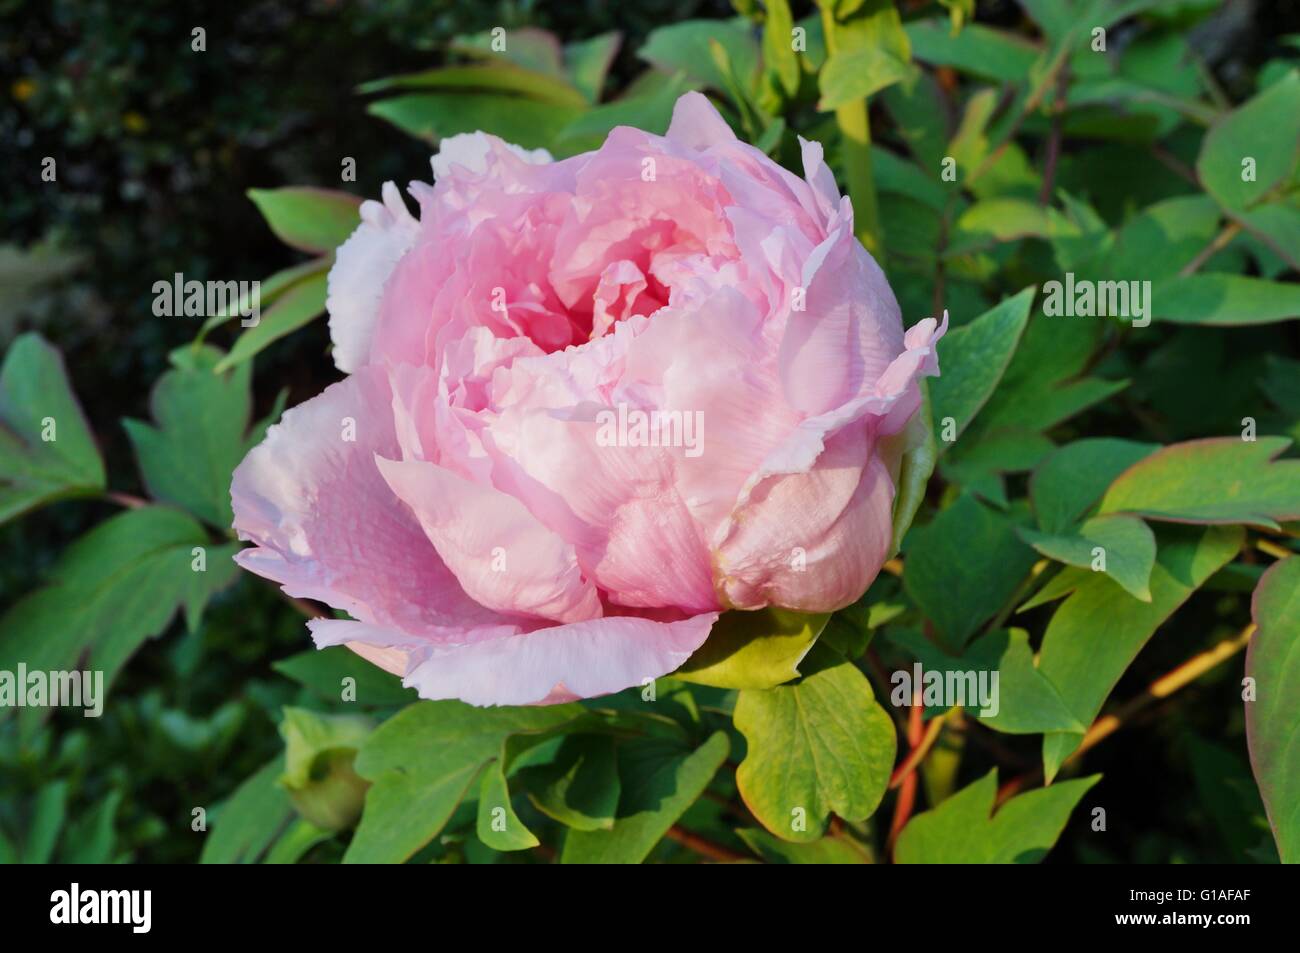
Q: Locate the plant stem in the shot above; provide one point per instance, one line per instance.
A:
(907, 789)
(1273, 549)
(125, 499)
(917, 754)
(702, 846)
(1216, 244)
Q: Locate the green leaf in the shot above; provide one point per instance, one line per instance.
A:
(435, 116)
(323, 672)
(46, 449)
(1218, 480)
(817, 746)
(1127, 546)
(529, 48)
(855, 74)
(1041, 386)
(580, 787)
(755, 649)
(972, 359)
(898, 175)
(587, 63)
(1156, 244)
(113, 588)
(992, 221)
(963, 566)
(778, 47)
(1098, 631)
(309, 219)
(659, 781)
(90, 838)
(1004, 451)
(965, 830)
(917, 451)
(918, 114)
(979, 50)
(498, 826)
(1272, 718)
(1026, 701)
(480, 79)
(301, 837)
(269, 290)
(1278, 227)
(1226, 300)
(246, 824)
(422, 762)
(685, 46)
(1266, 130)
(202, 417)
(297, 307)
(48, 812)
(773, 850)
(651, 111)
(1067, 483)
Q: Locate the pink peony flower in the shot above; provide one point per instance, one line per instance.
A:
(591, 405)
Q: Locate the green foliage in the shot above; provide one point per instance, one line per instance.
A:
(112, 589)
(818, 746)
(1096, 633)
(1040, 485)
(311, 220)
(978, 354)
(1211, 481)
(965, 829)
(201, 434)
(422, 762)
(658, 781)
(1274, 664)
(957, 605)
(46, 450)
(754, 649)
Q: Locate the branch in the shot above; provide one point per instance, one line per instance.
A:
(1216, 244)
(125, 499)
(703, 846)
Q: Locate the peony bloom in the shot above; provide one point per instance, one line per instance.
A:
(591, 404)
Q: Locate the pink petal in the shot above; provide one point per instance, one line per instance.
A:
(326, 524)
(504, 558)
(561, 663)
(696, 124)
(811, 541)
(362, 265)
(849, 331)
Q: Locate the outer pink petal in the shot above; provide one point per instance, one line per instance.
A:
(362, 266)
(812, 541)
(326, 524)
(562, 663)
(849, 331)
(696, 124)
(504, 558)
